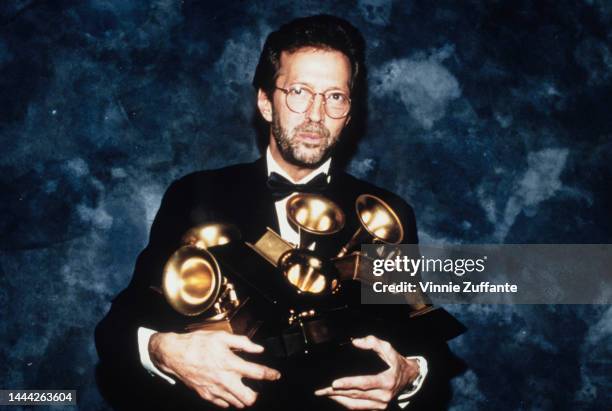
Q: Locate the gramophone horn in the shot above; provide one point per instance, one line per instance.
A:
(379, 223)
(210, 235)
(314, 215)
(308, 273)
(192, 280)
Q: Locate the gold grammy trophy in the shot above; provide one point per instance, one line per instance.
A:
(314, 216)
(193, 283)
(379, 225)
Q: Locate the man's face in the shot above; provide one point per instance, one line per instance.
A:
(307, 139)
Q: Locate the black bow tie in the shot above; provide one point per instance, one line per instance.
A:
(281, 187)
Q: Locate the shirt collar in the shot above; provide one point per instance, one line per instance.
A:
(274, 166)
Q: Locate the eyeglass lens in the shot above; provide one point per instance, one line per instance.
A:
(337, 104)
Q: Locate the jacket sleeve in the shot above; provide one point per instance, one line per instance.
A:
(139, 305)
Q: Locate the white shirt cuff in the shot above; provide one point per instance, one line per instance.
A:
(416, 384)
(144, 335)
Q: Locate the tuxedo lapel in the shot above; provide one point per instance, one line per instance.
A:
(258, 207)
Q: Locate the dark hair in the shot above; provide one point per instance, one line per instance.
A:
(320, 31)
(328, 33)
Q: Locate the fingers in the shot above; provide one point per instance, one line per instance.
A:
(365, 343)
(355, 404)
(219, 402)
(242, 343)
(227, 397)
(241, 393)
(229, 391)
(256, 371)
(215, 399)
(373, 395)
(218, 378)
(360, 382)
(381, 347)
(246, 368)
(373, 343)
(324, 391)
(359, 397)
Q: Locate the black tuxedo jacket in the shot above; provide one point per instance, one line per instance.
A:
(239, 195)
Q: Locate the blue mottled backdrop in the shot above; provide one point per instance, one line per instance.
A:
(492, 118)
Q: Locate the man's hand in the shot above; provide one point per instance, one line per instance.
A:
(205, 362)
(373, 392)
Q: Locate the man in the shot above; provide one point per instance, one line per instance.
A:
(306, 81)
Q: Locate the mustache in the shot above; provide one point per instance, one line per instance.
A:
(313, 128)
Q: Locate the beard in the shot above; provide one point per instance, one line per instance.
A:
(298, 152)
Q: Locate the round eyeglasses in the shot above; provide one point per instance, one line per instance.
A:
(299, 99)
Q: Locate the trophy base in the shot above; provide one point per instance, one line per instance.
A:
(240, 320)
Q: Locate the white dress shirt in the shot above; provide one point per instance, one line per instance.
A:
(287, 233)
